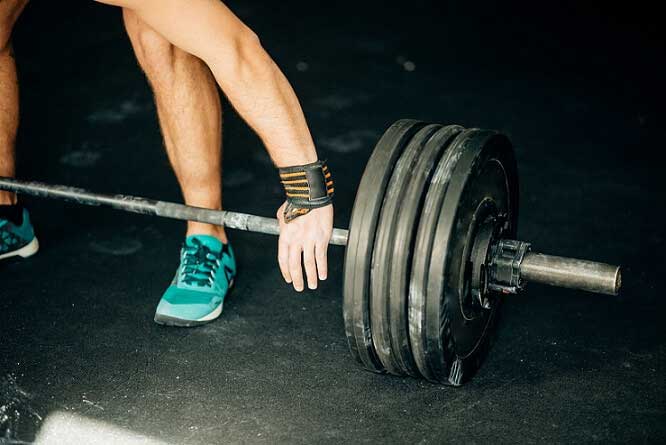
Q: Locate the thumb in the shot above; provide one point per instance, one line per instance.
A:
(280, 214)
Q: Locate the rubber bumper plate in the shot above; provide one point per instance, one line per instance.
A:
(474, 180)
(360, 244)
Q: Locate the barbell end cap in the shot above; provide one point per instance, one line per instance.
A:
(618, 281)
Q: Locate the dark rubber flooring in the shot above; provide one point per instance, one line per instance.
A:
(577, 88)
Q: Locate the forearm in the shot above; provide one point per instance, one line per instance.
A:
(248, 76)
(263, 96)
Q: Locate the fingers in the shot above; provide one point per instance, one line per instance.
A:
(303, 244)
(321, 250)
(283, 259)
(310, 265)
(295, 268)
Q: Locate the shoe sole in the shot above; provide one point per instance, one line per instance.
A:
(166, 320)
(25, 252)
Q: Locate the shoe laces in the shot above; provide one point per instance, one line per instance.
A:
(199, 264)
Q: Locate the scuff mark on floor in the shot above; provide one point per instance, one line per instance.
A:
(16, 406)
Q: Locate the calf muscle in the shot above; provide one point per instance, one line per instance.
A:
(9, 106)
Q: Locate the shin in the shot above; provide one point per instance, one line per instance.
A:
(189, 111)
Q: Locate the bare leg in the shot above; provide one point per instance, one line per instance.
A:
(9, 100)
(251, 80)
(188, 106)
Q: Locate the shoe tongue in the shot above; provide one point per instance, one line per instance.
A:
(214, 244)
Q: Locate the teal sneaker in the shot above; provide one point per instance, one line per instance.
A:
(203, 279)
(17, 238)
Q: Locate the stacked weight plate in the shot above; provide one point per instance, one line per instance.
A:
(426, 189)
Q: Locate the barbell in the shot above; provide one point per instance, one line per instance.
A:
(431, 248)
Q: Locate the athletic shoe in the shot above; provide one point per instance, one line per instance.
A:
(203, 279)
(17, 238)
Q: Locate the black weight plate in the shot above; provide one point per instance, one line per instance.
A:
(380, 272)
(362, 227)
(403, 242)
(482, 182)
(423, 246)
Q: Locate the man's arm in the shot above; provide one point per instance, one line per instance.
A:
(263, 97)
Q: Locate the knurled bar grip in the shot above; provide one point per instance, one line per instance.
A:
(232, 220)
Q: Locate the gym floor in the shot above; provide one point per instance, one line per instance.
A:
(579, 90)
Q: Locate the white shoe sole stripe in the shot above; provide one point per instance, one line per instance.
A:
(216, 313)
(213, 315)
(26, 251)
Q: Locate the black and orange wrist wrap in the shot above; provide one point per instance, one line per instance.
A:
(307, 187)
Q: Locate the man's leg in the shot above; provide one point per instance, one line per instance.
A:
(17, 237)
(9, 100)
(188, 106)
(262, 95)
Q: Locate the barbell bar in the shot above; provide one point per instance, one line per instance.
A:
(171, 210)
(552, 270)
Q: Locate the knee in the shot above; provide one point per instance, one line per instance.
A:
(155, 54)
(5, 37)
(9, 12)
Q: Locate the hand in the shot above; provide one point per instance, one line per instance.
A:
(305, 239)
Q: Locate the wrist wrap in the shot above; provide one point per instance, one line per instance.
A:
(307, 187)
